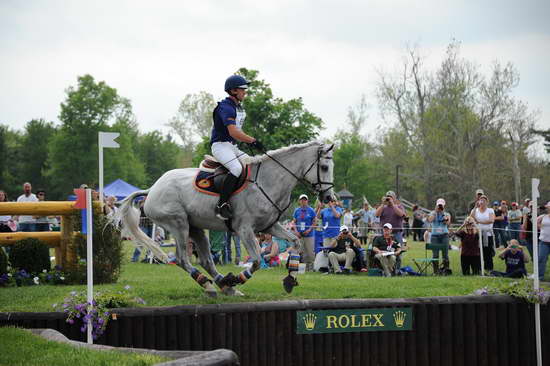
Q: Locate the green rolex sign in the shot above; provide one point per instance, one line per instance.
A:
(355, 320)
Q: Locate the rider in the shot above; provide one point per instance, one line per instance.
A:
(229, 117)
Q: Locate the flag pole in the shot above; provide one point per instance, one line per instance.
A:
(101, 199)
(89, 261)
(536, 284)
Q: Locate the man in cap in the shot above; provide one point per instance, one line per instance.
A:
(330, 217)
(386, 249)
(440, 221)
(473, 204)
(303, 223)
(342, 252)
(392, 211)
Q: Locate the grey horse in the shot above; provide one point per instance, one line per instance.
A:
(174, 204)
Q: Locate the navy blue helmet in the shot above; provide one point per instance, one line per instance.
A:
(236, 82)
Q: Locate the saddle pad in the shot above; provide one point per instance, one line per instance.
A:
(204, 182)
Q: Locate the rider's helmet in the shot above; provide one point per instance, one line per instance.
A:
(236, 82)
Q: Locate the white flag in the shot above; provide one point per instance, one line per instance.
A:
(107, 139)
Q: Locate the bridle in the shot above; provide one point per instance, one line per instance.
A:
(315, 188)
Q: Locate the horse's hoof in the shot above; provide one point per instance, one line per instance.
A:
(210, 290)
(232, 291)
(211, 293)
(289, 283)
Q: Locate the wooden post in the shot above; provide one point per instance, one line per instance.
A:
(68, 254)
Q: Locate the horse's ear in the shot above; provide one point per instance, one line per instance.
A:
(330, 148)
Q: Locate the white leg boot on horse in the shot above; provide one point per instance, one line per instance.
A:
(290, 281)
(180, 230)
(228, 282)
(203, 249)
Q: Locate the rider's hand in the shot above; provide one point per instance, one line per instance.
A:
(256, 144)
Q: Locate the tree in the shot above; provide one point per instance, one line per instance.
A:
(89, 107)
(457, 125)
(34, 152)
(358, 167)
(194, 118)
(10, 163)
(274, 122)
(546, 136)
(357, 116)
(159, 154)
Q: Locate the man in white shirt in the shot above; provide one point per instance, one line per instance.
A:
(26, 223)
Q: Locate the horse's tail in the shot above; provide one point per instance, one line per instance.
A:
(127, 217)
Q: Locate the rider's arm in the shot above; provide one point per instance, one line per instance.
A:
(239, 135)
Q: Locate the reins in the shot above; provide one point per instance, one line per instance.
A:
(310, 186)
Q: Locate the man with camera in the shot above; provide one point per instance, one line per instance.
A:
(440, 221)
(392, 211)
(342, 252)
(386, 249)
(330, 217)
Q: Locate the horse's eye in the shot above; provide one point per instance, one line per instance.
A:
(324, 168)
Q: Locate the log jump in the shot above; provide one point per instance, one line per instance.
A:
(62, 241)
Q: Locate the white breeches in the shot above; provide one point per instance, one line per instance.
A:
(228, 155)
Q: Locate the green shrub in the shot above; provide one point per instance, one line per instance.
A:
(3, 262)
(107, 253)
(30, 254)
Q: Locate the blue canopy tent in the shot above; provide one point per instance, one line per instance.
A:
(118, 188)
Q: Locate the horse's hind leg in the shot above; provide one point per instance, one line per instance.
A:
(230, 280)
(203, 249)
(179, 227)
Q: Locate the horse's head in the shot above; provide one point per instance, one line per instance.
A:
(320, 174)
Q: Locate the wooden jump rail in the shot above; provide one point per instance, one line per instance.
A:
(62, 241)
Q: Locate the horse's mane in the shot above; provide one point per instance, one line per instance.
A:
(279, 152)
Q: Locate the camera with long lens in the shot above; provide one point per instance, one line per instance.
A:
(440, 207)
(388, 198)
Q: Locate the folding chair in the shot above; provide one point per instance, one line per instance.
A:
(425, 264)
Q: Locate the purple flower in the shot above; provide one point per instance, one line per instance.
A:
(83, 328)
(481, 292)
(70, 321)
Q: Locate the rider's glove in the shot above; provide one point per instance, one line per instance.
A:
(257, 145)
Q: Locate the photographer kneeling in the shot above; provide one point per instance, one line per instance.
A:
(342, 252)
(440, 220)
(386, 249)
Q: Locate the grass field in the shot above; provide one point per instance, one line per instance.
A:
(168, 285)
(21, 348)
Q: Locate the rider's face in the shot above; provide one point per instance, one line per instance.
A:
(239, 94)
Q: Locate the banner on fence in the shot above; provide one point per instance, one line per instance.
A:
(353, 320)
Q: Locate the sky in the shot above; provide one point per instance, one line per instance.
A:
(329, 53)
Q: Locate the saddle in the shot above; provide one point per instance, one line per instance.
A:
(209, 179)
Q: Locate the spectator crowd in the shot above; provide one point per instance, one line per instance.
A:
(334, 239)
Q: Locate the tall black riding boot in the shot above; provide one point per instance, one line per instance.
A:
(223, 211)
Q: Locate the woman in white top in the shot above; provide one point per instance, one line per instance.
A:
(543, 222)
(485, 217)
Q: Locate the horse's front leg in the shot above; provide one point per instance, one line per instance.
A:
(290, 281)
(229, 281)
